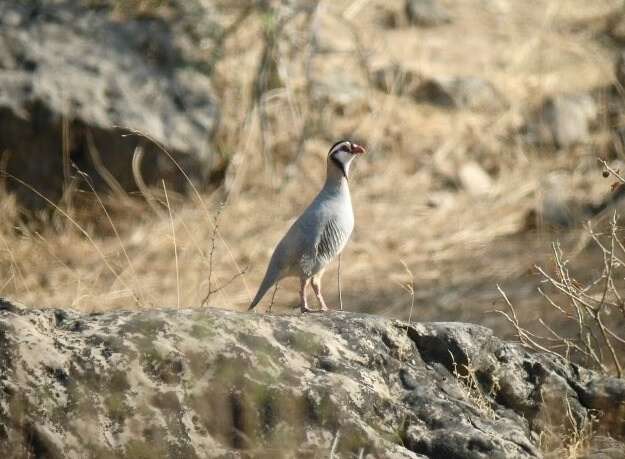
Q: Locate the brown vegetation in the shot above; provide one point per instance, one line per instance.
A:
(285, 98)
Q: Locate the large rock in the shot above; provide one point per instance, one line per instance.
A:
(72, 71)
(562, 121)
(215, 383)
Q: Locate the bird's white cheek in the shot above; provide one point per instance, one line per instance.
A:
(344, 157)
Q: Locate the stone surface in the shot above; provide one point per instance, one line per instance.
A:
(562, 121)
(461, 92)
(72, 71)
(426, 13)
(343, 93)
(216, 383)
(474, 179)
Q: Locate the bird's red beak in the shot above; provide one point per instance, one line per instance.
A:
(357, 149)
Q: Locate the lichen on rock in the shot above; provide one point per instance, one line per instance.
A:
(216, 383)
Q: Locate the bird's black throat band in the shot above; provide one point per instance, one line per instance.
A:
(340, 165)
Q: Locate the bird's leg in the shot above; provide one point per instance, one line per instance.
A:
(302, 295)
(316, 285)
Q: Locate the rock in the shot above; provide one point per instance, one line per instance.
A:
(216, 383)
(474, 179)
(426, 13)
(341, 92)
(444, 200)
(72, 71)
(605, 448)
(461, 92)
(394, 78)
(562, 121)
(558, 209)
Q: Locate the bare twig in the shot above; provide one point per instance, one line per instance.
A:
(614, 173)
(585, 305)
(524, 337)
(212, 251)
(225, 284)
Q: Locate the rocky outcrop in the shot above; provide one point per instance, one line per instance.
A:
(72, 71)
(216, 383)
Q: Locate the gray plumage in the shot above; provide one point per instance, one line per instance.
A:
(319, 234)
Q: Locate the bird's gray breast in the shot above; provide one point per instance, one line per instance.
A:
(323, 230)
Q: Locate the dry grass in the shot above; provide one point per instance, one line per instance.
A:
(410, 205)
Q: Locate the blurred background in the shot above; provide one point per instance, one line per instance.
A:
(153, 152)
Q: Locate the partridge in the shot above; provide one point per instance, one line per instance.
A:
(319, 234)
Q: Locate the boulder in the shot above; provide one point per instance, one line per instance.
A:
(562, 121)
(426, 13)
(217, 383)
(461, 92)
(70, 72)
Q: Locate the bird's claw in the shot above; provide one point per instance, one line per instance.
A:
(305, 309)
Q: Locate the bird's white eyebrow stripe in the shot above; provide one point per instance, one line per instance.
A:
(340, 147)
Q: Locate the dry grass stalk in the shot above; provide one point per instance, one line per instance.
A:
(122, 246)
(470, 385)
(199, 198)
(335, 444)
(76, 225)
(338, 283)
(273, 297)
(173, 237)
(409, 286)
(570, 439)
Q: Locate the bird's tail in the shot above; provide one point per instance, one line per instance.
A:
(270, 278)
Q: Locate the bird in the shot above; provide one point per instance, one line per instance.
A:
(319, 234)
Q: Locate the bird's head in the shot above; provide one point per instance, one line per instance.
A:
(342, 154)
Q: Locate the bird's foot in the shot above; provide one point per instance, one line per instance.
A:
(304, 308)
